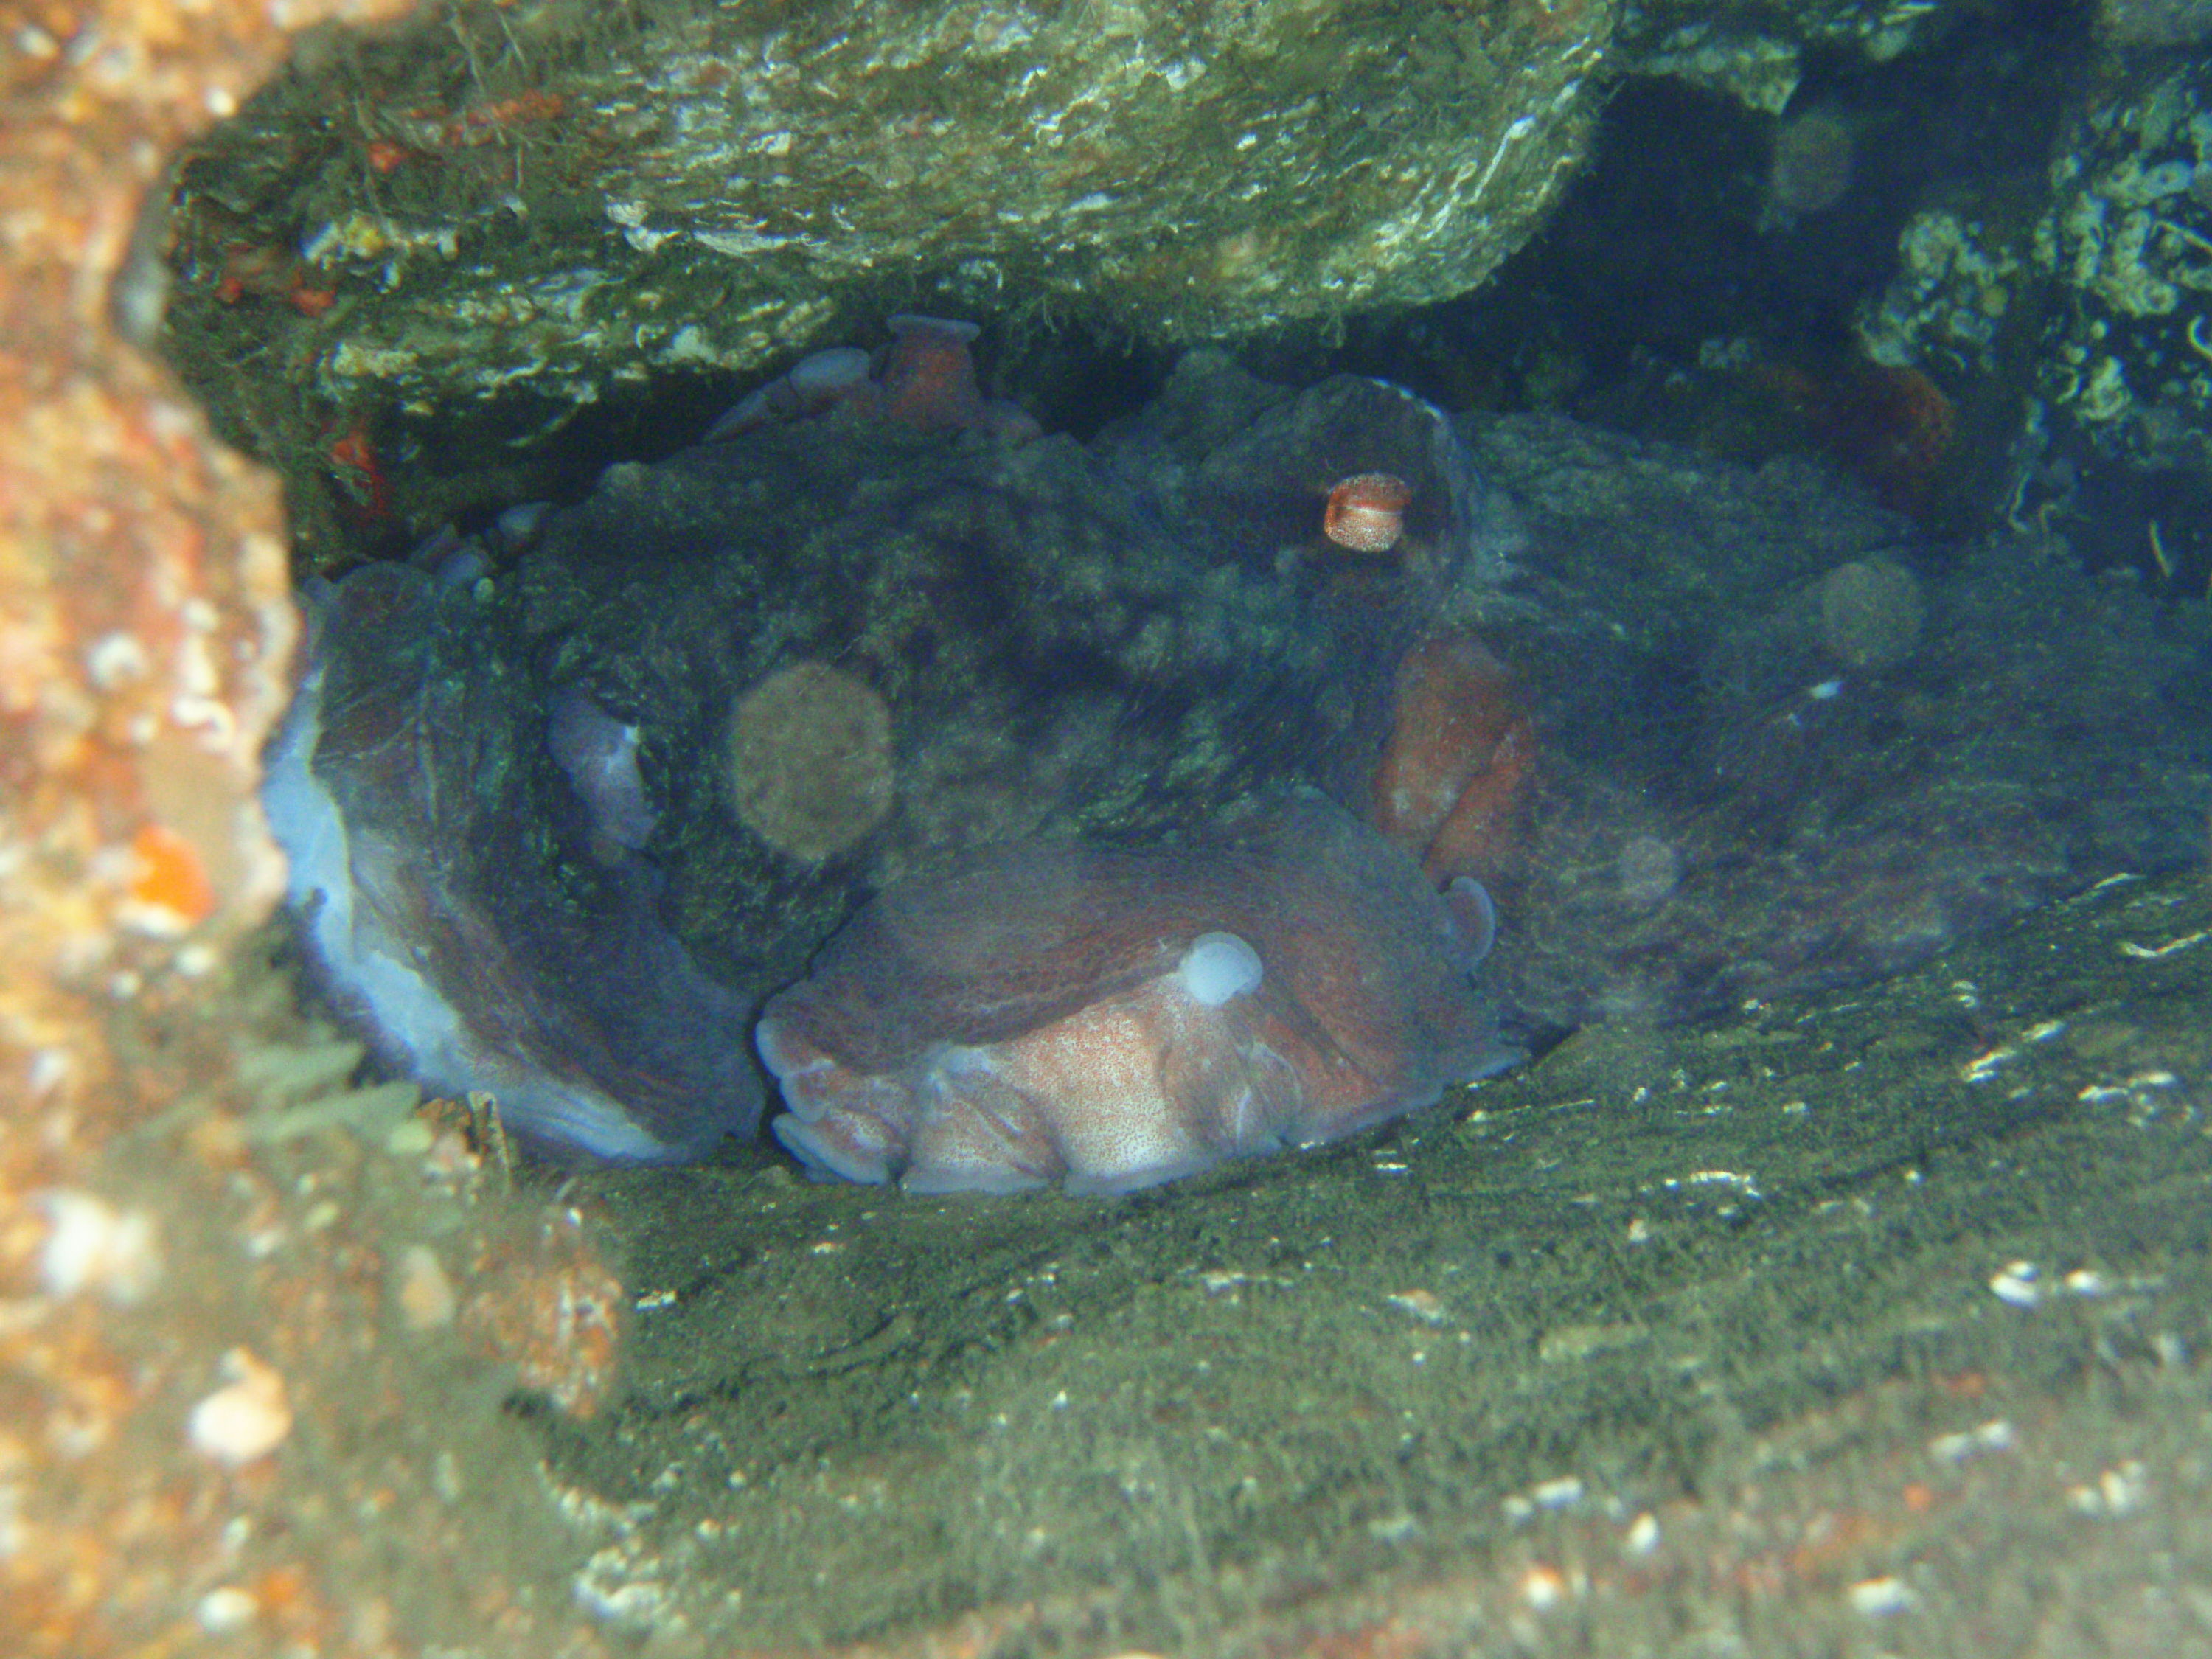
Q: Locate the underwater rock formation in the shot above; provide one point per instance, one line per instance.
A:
(1711, 735)
(1745, 787)
(492, 219)
(1121, 1018)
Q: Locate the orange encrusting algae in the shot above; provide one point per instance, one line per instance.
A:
(172, 878)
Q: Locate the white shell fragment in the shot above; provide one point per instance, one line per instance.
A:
(91, 1245)
(247, 1417)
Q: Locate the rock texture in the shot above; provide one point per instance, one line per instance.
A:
(203, 1399)
(533, 207)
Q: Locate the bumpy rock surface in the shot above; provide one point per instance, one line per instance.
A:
(1756, 50)
(191, 1425)
(537, 204)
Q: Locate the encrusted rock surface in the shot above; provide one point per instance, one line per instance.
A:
(1756, 50)
(2061, 303)
(204, 1400)
(258, 1320)
(534, 206)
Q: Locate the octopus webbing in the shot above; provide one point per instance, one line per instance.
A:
(1117, 1018)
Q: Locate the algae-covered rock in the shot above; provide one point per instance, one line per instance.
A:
(1783, 740)
(536, 203)
(2065, 301)
(1755, 50)
(2128, 243)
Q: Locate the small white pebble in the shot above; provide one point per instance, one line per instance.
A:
(2125, 1488)
(1557, 1494)
(2119, 1491)
(1643, 1535)
(1424, 1305)
(2016, 1285)
(445, 1475)
(1983, 1067)
(1543, 1587)
(1877, 1596)
(116, 660)
(410, 1137)
(2154, 952)
(228, 1609)
(90, 1245)
(423, 1292)
(1995, 1435)
(245, 1419)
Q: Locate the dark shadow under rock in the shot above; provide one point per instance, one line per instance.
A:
(1785, 743)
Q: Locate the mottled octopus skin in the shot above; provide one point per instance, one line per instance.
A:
(587, 1022)
(924, 380)
(1114, 1019)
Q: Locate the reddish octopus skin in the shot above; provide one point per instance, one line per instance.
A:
(1451, 784)
(924, 380)
(1115, 1018)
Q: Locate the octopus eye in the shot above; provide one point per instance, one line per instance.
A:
(1367, 511)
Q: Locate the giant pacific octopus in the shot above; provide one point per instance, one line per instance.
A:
(1188, 755)
(587, 1021)
(523, 864)
(1453, 778)
(1119, 1017)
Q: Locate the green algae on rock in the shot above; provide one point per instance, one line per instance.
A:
(535, 204)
